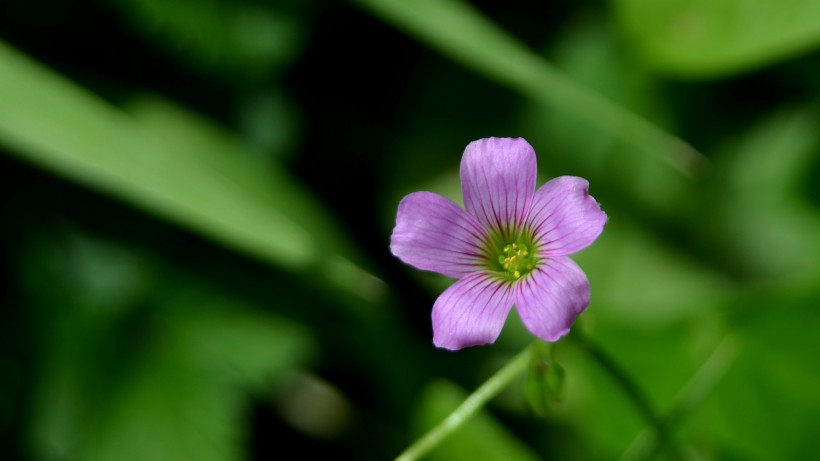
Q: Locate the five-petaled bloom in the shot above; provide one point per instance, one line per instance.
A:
(509, 247)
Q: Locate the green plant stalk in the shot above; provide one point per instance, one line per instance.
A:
(503, 377)
(657, 425)
(696, 390)
(491, 388)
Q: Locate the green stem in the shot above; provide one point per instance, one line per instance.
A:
(492, 387)
(631, 389)
(693, 394)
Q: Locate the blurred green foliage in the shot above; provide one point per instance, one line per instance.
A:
(198, 198)
(703, 38)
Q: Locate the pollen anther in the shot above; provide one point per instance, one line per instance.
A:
(516, 260)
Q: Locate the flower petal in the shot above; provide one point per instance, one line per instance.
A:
(551, 297)
(564, 217)
(432, 233)
(471, 312)
(498, 180)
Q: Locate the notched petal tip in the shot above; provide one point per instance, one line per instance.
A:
(499, 145)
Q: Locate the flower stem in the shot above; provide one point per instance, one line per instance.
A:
(491, 388)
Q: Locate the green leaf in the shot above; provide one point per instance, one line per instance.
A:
(773, 157)
(640, 280)
(460, 31)
(169, 412)
(480, 438)
(171, 379)
(187, 398)
(709, 38)
(762, 408)
(771, 229)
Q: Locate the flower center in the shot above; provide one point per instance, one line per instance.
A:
(515, 260)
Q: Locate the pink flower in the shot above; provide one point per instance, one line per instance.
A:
(509, 247)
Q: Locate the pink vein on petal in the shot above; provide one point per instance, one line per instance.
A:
(471, 312)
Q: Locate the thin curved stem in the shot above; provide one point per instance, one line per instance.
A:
(696, 390)
(656, 423)
(491, 388)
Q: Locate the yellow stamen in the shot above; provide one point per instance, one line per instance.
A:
(516, 259)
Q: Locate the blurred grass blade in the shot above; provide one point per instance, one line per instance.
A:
(183, 172)
(461, 32)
